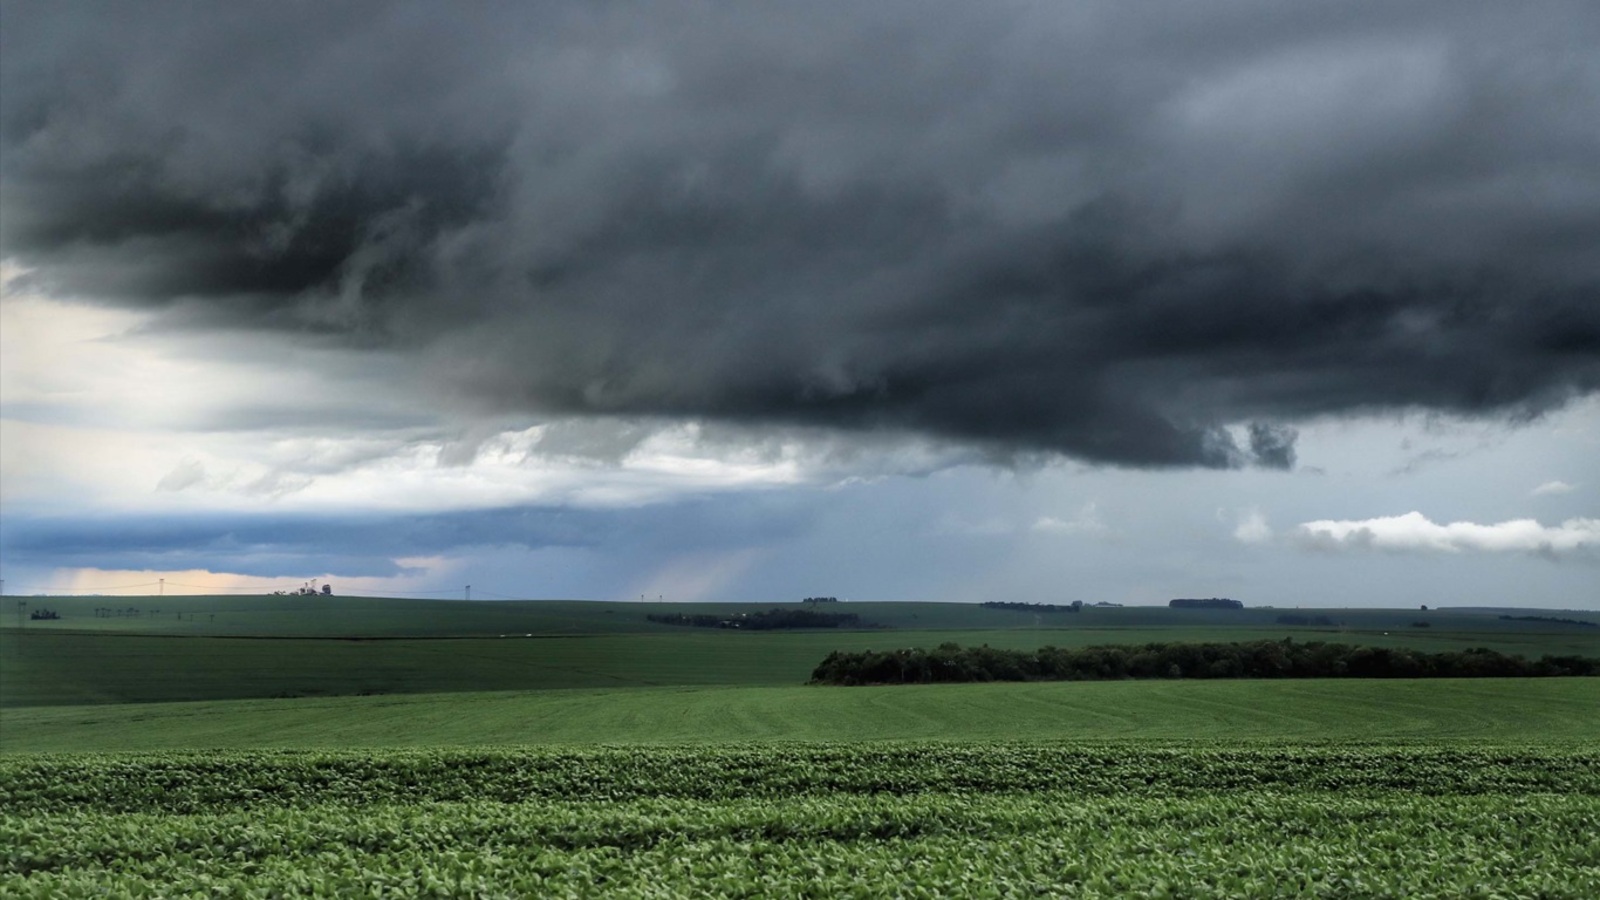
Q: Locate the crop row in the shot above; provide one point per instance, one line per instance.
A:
(865, 820)
(196, 782)
(1244, 843)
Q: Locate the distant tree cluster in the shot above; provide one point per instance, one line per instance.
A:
(1205, 603)
(820, 600)
(761, 621)
(1258, 659)
(41, 615)
(1306, 621)
(309, 589)
(1033, 607)
(1552, 620)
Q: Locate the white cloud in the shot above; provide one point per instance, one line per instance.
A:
(1252, 528)
(1553, 487)
(1415, 532)
(1087, 521)
(101, 412)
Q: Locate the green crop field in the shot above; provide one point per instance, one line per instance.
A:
(819, 820)
(1559, 710)
(292, 746)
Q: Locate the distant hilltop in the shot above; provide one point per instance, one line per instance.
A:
(1205, 603)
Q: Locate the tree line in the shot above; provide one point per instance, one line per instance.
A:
(1204, 603)
(1033, 607)
(1552, 619)
(761, 621)
(1257, 659)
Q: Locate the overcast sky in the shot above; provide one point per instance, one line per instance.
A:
(1292, 303)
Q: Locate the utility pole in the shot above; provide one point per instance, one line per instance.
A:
(163, 587)
(469, 592)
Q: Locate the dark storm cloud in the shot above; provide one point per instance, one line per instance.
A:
(1273, 445)
(1106, 230)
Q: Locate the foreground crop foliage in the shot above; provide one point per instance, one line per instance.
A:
(916, 820)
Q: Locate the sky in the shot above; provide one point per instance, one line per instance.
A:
(1297, 304)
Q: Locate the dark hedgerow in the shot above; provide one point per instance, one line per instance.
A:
(1258, 659)
(762, 621)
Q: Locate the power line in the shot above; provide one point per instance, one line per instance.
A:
(501, 596)
(235, 587)
(58, 588)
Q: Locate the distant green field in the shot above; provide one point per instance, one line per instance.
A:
(580, 666)
(1561, 710)
(58, 667)
(292, 616)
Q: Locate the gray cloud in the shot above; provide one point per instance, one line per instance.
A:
(1273, 445)
(1104, 231)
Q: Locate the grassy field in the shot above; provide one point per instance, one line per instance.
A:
(43, 668)
(1554, 710)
